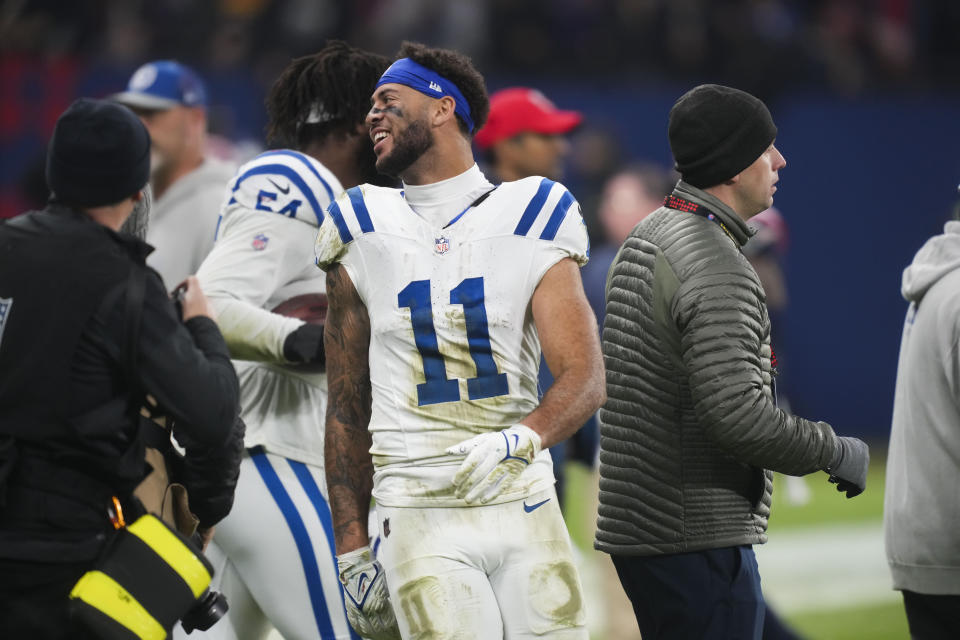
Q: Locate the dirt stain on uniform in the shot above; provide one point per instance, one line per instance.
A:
(429, 612)
(555, 594)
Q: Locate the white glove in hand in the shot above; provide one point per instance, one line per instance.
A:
(368, 602)
(494, 461)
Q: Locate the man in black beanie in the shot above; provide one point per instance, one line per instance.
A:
(86, 330)
(691, 431)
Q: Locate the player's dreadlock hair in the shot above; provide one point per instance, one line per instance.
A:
(323, 93)
(458, 69)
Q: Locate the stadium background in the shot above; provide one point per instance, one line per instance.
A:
(866, 95)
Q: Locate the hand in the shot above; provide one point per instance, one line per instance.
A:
(192, 299)
(849, 467)
(367, 599)
(304, 345)
(494, 461)
(205, 535)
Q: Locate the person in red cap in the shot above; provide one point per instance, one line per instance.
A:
(525, 135)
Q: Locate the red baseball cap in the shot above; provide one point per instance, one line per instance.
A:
(521, 109)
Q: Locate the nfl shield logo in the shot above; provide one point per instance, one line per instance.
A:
(260, 242)
(5, 304)
(441, 245)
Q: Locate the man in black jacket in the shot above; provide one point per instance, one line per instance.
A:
(86, 329)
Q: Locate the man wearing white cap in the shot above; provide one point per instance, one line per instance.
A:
(188, 186)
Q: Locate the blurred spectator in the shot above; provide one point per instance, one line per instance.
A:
(525, 135)
(597, 153)
(848, 45)
(189, 187)
(766, 250)
(628, 197)
(51, 52)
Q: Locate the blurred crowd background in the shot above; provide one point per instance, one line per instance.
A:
(866, 94)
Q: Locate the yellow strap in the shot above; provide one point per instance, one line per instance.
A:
(176, 554)
(103, 593)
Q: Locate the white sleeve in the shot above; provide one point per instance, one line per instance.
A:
(255, 253)
(564, 234)
(572, 238)
(329, 246)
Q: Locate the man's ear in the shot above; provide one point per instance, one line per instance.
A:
(444, 109)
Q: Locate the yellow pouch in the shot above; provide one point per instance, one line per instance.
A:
(149, 577)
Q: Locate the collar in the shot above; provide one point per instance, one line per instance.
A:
(438, 202)
(61, 213)
(706, 204)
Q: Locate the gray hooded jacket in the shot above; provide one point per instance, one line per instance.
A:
(921, 510)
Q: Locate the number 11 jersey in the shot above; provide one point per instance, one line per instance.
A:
(454, 351)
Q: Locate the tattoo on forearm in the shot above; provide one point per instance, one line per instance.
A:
(349, 467)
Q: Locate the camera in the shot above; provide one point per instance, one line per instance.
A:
(209, 608)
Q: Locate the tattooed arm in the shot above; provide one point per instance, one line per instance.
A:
(349, 466)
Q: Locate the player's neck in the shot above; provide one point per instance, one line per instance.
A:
(340, 156)
(448, 157)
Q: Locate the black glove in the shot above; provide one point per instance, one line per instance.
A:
(305, 346)
(849, 467)
(210, 474)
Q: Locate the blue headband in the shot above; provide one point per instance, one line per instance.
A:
(428, 82)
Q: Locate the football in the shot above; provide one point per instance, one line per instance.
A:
(309, 307)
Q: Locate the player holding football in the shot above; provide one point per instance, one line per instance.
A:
(442, 295)
(274, 553)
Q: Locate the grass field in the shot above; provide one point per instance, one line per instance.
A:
(828, 602)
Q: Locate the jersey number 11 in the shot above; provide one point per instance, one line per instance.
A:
(489, 382)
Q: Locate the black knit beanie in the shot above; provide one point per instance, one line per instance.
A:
(99, 154)
(716, 132)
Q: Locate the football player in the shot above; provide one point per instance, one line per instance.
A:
(441, 296)
(274, 554)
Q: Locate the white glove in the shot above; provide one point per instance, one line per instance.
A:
(494, 461)
(367, 600)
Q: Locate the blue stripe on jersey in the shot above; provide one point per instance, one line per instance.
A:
(292, 176)
(556, 218)
(305, 162)
(323, 512)
(302, 539)
(360, 208)
(533, 209)
(584, 223)
(334, 210)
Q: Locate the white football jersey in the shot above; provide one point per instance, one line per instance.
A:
(264, 255)
(454, 351)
